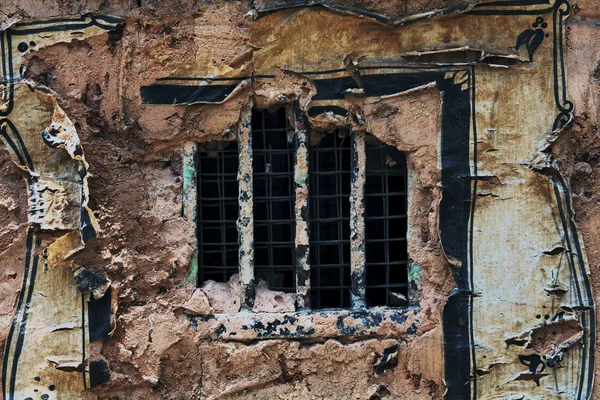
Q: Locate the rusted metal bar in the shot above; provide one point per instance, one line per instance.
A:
(357, 221)
(302, 210)
(245, 223)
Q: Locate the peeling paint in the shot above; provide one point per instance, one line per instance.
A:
(301, 210)
(357, 221)
(245, 222)
(190, 193)
(476, 97)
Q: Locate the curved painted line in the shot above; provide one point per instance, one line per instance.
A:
(474, 181)
(580, 276)
(7, 72)
(21, 312)
(21, 152)
(15, 323)
(16, 143)
(23, 326)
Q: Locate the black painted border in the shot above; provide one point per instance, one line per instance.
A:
(461, 300)
(11, 135)
(460, 360)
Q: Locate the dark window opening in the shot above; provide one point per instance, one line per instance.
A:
(386, 225)
(217, 213)
(273, 144)
(273, 152)
(329, 204)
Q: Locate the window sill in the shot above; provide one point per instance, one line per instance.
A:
(321, 324)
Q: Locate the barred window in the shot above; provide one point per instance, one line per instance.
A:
(273, 181)
(217, 212)
(329, 204)
(354, 215)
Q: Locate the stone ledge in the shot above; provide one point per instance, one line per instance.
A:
(243, 326)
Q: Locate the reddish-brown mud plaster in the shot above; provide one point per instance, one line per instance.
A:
(133, 151)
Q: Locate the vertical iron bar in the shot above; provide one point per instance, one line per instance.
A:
(302, 209)
(386, 222)
(268, 160)
(316, 188)
(339, 174)
(245, 223)
(222, 201)
(357, 221)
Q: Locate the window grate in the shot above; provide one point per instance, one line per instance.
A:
(386, 226)
(273, 168)
(217, 210)
(347, 187)
(329, 204)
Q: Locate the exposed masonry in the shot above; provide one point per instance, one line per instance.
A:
(314, 327)
(146, 366)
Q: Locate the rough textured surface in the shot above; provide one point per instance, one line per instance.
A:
(579, 148)
(145, 244)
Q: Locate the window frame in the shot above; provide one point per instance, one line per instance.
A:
(359, 320)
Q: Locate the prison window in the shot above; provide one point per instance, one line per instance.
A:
(386, 225)
(273, 170)
(217, 212)
(329, 205)
(354, 216)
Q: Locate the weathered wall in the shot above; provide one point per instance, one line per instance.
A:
(144, 244)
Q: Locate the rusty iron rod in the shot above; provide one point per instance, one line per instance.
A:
(302, 209)
(245, 223)
(357, 221)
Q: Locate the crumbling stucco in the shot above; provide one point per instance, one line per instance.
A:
(172, 340)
